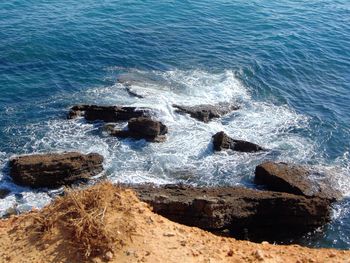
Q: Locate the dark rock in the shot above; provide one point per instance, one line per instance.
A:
(295, 179)
(142, 128)
(206, 112)
(255, 214)
(107, 113)
(54, 169)
(4, 192)
(147, 127)
(132, 92)
(222, 141)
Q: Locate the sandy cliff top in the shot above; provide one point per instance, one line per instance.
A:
(105, 223)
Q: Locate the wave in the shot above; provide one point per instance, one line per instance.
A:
(187, 155)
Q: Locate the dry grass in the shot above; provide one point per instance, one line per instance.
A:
(80, 216)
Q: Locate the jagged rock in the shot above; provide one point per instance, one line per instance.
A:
(206, 112)
(107, 113)
(222, 141)
(147, 127)
(133, 93)
(54, 169)
(4, 192)
(295, 179)
(246, 212)
(141, 128)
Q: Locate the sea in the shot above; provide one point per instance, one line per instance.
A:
(286, 63)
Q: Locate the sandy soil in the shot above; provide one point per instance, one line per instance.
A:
(131, 232)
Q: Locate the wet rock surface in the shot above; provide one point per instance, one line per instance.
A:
(206, 112)
(247, 213)
(141, 128)
(222, 141)
(107, 113)
(54, 169)
(133, 93)
(295, 179)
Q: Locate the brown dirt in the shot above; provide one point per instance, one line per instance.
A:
(107, 223)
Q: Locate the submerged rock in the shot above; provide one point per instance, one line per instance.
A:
(295, 179)
(133, 93)
(54, 169)
(4, 192)
(107, 113)
(206, 112)
(141, 128)
(246, 212)
(222, 141)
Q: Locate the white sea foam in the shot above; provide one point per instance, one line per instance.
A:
(187, 154)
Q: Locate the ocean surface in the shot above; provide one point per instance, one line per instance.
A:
(286, 62)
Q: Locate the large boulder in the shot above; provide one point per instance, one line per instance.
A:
(247, 213)
(141, 128)
(54, 169)
(206, 112)
(294, 179)
(107, 113)
(222, 141)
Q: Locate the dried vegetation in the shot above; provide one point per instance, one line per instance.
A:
(80, 216)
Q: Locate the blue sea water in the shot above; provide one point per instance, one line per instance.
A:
(286, 62)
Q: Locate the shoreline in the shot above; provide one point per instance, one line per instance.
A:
(285, 204)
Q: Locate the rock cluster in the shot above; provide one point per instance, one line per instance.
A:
(140, 123)
(292, 204)
(54, 169)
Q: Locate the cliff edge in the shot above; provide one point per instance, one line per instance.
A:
(108, 223)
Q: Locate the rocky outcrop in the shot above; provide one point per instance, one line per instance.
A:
(107, 113)
(54, 169)
(141, 128)
(295, 179)
(4, 192)
(222, 141)
(247, 213)
(206, 112)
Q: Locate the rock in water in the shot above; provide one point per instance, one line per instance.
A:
(222, 141)
(147, 127)
(142, 128)
(107, 113)
(206, 112)
(256, 214)
(295, 179)
(133, 93)
(54, 169)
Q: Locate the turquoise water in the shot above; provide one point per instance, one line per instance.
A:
(286, 62)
